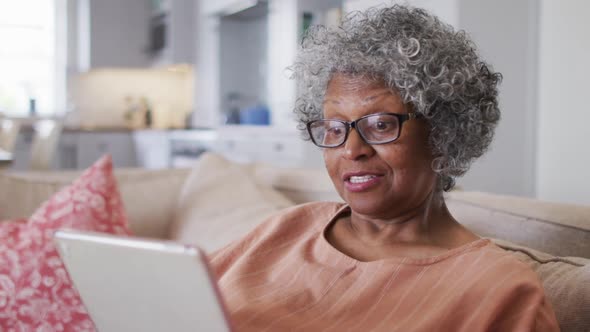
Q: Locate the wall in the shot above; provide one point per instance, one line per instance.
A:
(509, 165)
(99, 95)
(446, 10)
(282, 47)
(563, 156)
(207, 87)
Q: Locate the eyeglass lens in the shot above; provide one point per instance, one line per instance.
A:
(375, 129)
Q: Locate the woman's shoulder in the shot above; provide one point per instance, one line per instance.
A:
(289, 225)
(300, 219)
(495, 267)
(309, 212)
(504, 291)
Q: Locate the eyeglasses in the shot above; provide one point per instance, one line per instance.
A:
(377, 128)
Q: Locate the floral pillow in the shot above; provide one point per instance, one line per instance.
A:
(36, 293)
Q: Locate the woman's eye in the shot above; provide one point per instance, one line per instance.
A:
(382, 125)
(335, 131)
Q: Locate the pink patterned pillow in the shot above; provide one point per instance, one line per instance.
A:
(36, 293)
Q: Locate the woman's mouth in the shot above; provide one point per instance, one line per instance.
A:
(361, 182)
(361, 179)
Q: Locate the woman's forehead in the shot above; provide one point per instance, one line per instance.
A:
(355, 81)
(354, 107)
(345, 89)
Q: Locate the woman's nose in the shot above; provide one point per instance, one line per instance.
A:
(355, 147)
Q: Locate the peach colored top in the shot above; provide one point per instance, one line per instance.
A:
(285, 276)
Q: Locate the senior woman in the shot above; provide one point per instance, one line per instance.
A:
(401, 104)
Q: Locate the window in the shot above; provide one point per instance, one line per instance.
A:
(32, 56)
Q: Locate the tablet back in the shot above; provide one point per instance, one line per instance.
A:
(130, 284)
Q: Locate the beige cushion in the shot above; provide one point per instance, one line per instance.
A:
(559, 229)
(22, 193)
(575, 216)
(566, 281)
(149, 196)
(300, 185)
(220, 202)
(150, 199)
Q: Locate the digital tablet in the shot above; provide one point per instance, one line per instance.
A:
(131, 284)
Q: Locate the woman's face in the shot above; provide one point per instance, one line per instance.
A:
(381, 181)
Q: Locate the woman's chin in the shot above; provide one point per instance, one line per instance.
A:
(368, 205)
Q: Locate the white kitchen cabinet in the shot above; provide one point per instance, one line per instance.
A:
(152, 148)
(246, 144)
(93, 145)
(187, 145)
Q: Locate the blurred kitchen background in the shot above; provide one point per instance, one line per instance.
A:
(157, 82)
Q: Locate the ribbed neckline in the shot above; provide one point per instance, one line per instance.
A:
(328, 254)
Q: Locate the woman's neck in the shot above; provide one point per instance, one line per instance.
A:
(425, 231)
(419, 225)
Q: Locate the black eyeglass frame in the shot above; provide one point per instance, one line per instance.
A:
(352, 124)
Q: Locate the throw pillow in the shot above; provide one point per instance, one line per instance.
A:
(221, 202)
(300, 185)
(36, 293)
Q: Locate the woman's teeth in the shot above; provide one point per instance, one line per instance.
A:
(361, 179)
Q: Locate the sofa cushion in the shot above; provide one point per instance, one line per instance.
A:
(559, 229)
(221, 202)
(36, 293)
(566, 281)
(149, 196)
(300, 185)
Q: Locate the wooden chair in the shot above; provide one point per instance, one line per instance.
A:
(44, 145)
(9, 130)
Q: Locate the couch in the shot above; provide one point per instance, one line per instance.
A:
(217, 201)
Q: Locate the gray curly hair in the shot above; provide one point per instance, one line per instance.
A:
(435, 70)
